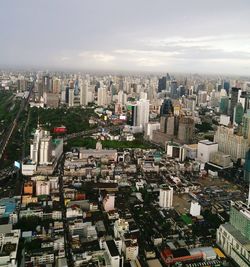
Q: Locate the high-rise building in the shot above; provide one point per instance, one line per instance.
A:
(234, 237)
(173, 89)
(45, 149)
(238, 113)
(166, 196)
(235, 92)
(71, 97)
(56, 86)
(231, 144)
(186, 129)
(224, 104)
(122, 98)
(46, 83)
(142, 112)
(246, 126)
(102, 97)
(84, 93)
(247, 167)
(167, 107)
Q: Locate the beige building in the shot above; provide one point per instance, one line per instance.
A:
(231, 144)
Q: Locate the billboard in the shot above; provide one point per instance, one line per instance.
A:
(61, 129)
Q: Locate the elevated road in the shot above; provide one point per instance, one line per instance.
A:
(13, 125)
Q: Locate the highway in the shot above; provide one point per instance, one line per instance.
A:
(13, 125)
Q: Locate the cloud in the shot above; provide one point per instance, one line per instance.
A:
(97, 56)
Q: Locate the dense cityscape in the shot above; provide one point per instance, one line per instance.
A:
(124, 134)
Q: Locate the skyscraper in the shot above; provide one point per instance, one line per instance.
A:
(224, 104)
(167, 107)
(234, 237)
(234, 100)
(142, 112)
(84, 93)
(102, 98)
(246, 126)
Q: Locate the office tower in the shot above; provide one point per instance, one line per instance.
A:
(71, 97)
(76, 87)
(235, 92)
(181, 91)
(162, 84)
(238, 113)
(246, 126)
(186, 129)
(133, 121)
(172, 125)
(84, 93)
(173, 89)
(56, 86)
(231, 144)
(247, 167)
(67, 94)
(226, 86)
(234, 237)
(166, 196)
(224, 104)
(102, 98)
(163, 124)
(46, 83)
(167, 107)
(142, 112)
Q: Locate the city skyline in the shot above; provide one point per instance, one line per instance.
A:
(146, 36)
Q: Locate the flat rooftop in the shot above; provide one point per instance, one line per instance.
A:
(112, 248)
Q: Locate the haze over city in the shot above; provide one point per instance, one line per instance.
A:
(178, 36)
(124, 133)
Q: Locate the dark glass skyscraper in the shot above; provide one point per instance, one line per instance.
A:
(167, 107)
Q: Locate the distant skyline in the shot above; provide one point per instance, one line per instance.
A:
(133, 35)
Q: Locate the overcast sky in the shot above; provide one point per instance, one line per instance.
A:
(146, 35)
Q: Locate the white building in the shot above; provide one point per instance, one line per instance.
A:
(205, 147)
(224, 120)
(122, 98)
(42, 188)
(45, 150)
(114, 257)
(8, 257)
(166, 196)
(195, 208)
(142, 112)
(102, 97)
(121, 226)
(109, 202)
(150, 127)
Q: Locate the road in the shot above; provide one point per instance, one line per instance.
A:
(59, 171)
(13, 125)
